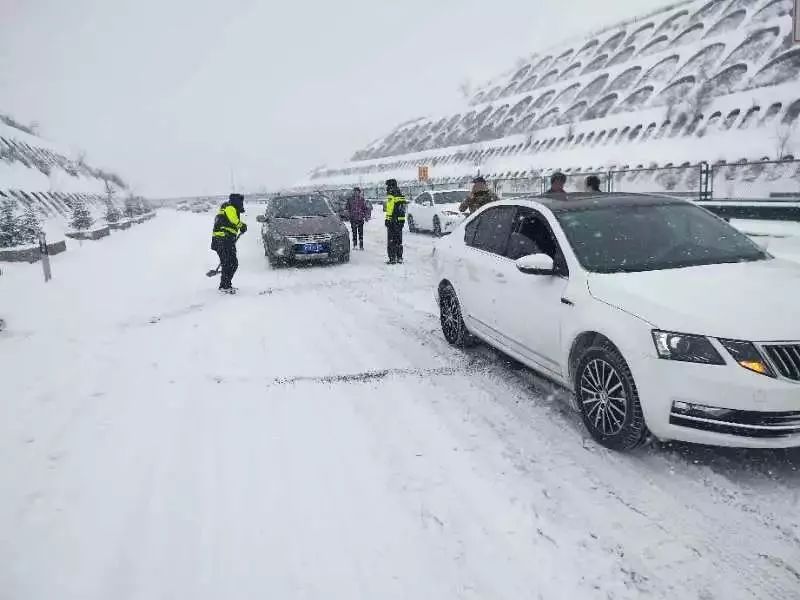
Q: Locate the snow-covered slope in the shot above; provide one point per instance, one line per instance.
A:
(36, 172)
(703, 80)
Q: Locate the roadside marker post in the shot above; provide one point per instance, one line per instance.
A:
(45, 257)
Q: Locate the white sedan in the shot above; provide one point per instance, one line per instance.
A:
(436, 211)
(661, 317)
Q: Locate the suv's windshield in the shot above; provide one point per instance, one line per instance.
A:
(300, 206)
(456, 197)
(653, 237)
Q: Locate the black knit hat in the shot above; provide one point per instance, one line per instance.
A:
(479, 179)
(237, 200)
(558, 176)
(391, 183)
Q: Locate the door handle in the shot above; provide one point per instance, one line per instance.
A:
(499, 276)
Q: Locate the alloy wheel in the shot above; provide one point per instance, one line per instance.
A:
(602, 393)
(453, 328)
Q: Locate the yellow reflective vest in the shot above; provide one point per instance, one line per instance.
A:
(227, 223)
(395, 209)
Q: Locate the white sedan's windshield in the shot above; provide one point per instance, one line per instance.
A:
(653, 237)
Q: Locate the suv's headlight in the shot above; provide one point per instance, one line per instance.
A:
(748, 356)
(686, 348)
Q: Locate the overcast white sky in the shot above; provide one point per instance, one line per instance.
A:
(174, 94)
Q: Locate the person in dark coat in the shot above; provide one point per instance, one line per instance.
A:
(395, 218)
(478, 197)
(228, 226)
(358, 211)
(593, 184)
(557, 182)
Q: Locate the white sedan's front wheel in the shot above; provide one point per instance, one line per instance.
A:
(453, 326)
(608, 399)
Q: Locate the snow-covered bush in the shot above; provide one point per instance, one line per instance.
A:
(81, 216)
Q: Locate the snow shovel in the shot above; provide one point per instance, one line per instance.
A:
(215, 272)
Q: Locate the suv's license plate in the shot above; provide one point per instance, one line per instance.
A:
(313, 248)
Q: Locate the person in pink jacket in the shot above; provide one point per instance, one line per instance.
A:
(359, 212)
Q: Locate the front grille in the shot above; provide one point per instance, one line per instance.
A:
(785, 358)
(745, 423)
(315, 238)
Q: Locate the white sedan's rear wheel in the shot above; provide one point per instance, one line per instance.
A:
(608, 399)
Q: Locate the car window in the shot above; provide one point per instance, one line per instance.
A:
(423, 198)
(493, 229)
(469, 231)
(532, 234)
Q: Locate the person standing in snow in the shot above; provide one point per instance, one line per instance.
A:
(395, 217)
(228, 226)
(358, 212)
(479, 196)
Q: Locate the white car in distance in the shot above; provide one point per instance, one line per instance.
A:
(436, 211)
(661, 317)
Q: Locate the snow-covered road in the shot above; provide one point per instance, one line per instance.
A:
(316, 438)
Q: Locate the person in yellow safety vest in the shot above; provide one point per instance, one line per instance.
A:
(395, 221)
(228, 226)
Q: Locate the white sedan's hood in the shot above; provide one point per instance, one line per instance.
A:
(754, 301)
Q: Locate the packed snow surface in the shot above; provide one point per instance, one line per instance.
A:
(314, 438)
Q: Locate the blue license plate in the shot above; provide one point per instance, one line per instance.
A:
(313, 248)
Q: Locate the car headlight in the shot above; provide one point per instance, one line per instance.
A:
(277, 237)
(686, 348)
(747, 355)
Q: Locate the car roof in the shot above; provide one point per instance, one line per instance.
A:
(588, 200)
(448, 190)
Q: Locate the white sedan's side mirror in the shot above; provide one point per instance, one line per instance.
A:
(536, 264)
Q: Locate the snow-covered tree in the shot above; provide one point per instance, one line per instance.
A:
(29, 227)
(113, 214)
(784, 139)
(81, 216)
(9, 225)
(131, 207)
